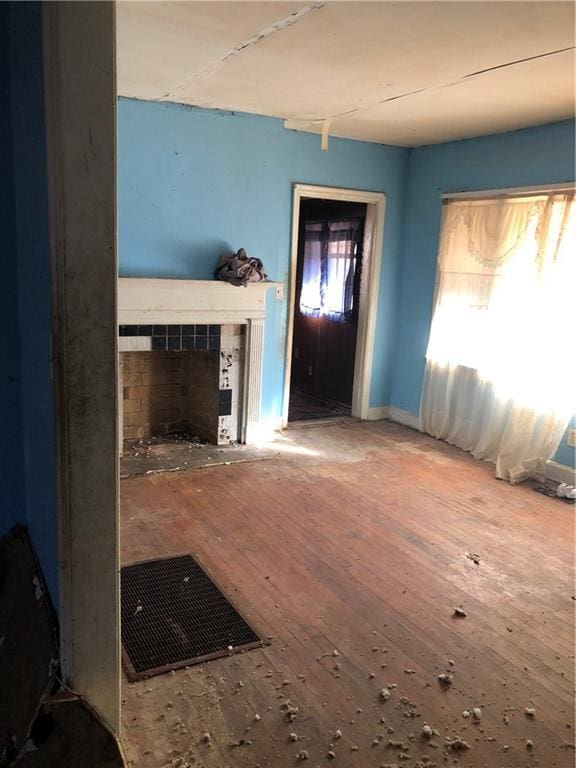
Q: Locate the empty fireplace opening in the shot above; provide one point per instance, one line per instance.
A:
(178, 381)
(170, 392)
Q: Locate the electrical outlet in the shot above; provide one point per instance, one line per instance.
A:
(572, 438)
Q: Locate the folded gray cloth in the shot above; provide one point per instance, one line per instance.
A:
(239, 269)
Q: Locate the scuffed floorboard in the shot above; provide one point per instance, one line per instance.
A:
(352, 552)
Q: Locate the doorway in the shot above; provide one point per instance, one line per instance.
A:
(325, 318)
(337, 237)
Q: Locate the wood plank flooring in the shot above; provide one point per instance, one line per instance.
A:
(351, 552)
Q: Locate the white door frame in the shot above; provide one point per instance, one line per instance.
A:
(80, 105)
(369, 287)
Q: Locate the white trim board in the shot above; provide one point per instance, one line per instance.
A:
(560, 473)
(398, 415)
(407, 418)
(378, 413)
(149, 301)
(568, 186)
(79, 47)
(369, 288)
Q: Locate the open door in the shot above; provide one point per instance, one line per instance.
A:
(337, 238)
(325, 321)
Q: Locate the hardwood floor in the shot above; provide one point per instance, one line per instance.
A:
(352, 551)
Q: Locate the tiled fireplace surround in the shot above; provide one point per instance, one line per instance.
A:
(190, 358)
(179, 378)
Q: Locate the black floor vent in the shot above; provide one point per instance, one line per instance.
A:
(173, 615)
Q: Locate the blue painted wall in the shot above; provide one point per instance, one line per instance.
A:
(28, 483)
(542, 155)
(566, 454)
(195, 182)
(12, 496)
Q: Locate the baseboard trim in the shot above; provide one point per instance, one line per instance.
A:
(407, 418)
(378, 413)
(560, 473)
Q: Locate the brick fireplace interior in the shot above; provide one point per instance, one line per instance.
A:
(180, 379)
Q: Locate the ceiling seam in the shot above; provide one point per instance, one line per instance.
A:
(272, 29)
(438, 86)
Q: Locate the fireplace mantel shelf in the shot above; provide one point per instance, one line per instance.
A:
(172, 301)
(150, 301)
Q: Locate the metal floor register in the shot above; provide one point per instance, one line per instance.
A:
(174, 615)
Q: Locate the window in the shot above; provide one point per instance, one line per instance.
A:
(329, 268)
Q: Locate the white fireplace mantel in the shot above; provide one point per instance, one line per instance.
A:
(149, 301)
(144, 301)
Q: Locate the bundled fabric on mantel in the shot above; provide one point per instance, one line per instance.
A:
(500, 364)
(329, 268)
(239, 268)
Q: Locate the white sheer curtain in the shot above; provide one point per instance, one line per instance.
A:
(329, 267)
(500, 365)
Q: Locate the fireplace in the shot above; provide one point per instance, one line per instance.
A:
(190, 359)
(183, 379)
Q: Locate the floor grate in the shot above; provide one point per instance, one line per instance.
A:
(174, 615)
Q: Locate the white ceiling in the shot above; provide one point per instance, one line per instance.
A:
(406, 73)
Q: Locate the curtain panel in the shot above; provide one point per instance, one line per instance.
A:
(329, 268)
(500, 364)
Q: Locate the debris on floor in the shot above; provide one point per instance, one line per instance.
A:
(180, 451)
(42, 725)
(29, 657)
(69, 734)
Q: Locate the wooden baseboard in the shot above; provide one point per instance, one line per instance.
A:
(560, 473)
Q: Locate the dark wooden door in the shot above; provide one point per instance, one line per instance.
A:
(324, 350)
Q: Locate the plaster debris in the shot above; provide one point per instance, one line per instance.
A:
(331, 755)
(337, 735)
(530, 712)
(289, 710)
(457, 744)
(529, 744)
(427, 731)
(303, 755)
(384, 694)
(393, 744)
(293, 737)
(354, 748)
(477, 714)
(460, 612)
(475, 558)
(445, 679)
(38, 591)
(465, 713)
(371, 676)
(206, 738)
(409, 671)
(335, 652)
(257, 718)
(240, 743)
